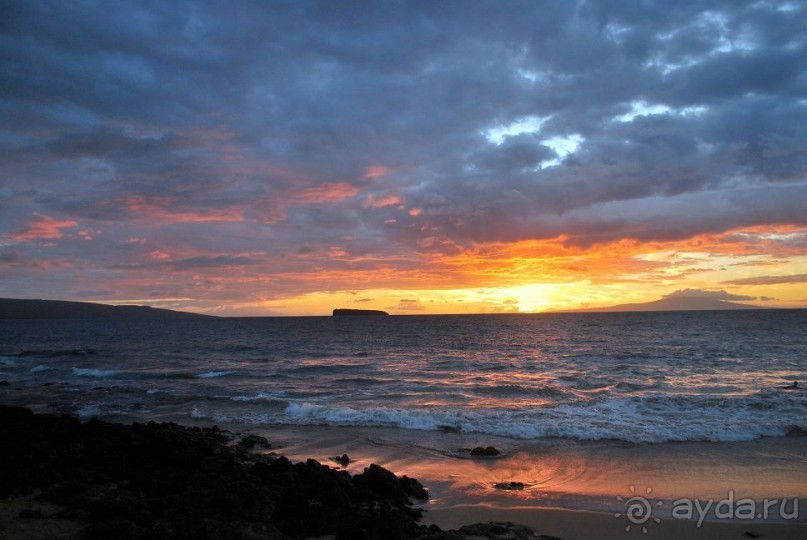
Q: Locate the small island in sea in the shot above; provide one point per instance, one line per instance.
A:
(359, 312)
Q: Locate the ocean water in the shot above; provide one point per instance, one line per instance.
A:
(635, 377)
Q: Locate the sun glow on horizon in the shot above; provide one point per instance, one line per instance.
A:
(540, 276)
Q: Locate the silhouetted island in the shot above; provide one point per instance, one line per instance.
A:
(669, 304)
(17, 308)
(359, 312)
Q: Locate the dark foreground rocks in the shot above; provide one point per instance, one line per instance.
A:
(510, 486)
(155, 481)
(488, 451)
(491, 531)
(61, 478)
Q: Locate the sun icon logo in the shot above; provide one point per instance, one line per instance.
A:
(638, 509)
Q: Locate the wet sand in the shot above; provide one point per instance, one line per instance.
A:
(563, 473)
(571, 488)
(585, 525)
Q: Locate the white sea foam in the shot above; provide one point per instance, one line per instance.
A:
(213, 374)
(655, 419)
(199, 414)
(39, 368)
(89, 372)
(89, 410)
(92, 410)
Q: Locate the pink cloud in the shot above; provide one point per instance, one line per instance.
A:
(159, 255)
(159, 209)
(377, 171)
(389, 200)
(44, 227)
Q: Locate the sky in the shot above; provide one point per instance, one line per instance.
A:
(288, 158)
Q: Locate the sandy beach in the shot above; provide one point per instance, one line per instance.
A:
(563, 473)
(524, 484)
(585, 525)
(578, 490)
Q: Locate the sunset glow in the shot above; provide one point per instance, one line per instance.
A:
(208, 159)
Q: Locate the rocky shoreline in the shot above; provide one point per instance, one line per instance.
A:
(159, 481)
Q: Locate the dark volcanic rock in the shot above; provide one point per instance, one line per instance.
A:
(27, 513)
(168, 481)
(509, 486)
(388, 486)
(248, 442)
(498, 531)
(489, 531)
(489, 451)
(413, 488)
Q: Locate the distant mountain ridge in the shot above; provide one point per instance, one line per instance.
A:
(670, 304)
(18, 308)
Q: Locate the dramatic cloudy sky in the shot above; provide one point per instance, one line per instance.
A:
(291, 157)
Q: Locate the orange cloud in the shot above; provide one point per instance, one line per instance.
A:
(44, 227)
(529, 275)
(623, 261)
(535, 275)
(769, 280)
(324, 193)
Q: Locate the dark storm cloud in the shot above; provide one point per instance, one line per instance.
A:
(257, 126)
(11, 256)
(195, 263)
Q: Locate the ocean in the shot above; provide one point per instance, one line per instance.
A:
(582, 406)
(637, 377)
